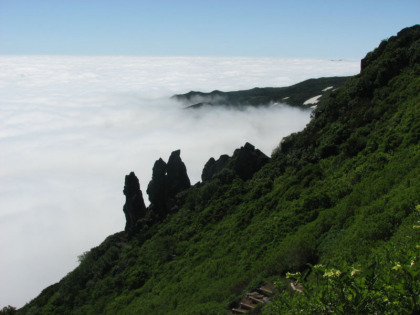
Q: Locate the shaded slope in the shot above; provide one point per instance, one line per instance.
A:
(331, 193)
(294, 95)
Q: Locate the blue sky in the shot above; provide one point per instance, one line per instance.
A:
(310, 29)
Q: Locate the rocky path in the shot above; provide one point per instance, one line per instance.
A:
(251, 300)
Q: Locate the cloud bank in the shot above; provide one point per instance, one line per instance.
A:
(71, 128)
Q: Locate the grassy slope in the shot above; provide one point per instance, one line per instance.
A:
(294, 95)
(334, 192)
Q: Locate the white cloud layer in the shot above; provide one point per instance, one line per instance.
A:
(71, 128)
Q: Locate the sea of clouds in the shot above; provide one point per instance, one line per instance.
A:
(72, 127)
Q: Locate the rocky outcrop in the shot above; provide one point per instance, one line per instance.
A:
(247, 160)
(177, 175)
(134, 207)
(244, 163)
(213, 167)
(157, 188)
(167, 181)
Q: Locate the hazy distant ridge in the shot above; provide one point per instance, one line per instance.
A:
(294, 95)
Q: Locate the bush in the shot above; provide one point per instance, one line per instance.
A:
(7, 310)
(389, 285)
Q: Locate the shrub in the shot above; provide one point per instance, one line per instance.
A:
(389, 285)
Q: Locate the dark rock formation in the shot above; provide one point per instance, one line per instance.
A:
(134, 207)
(213, 167)
(167, 181)
(244, 163)
(247, 160)
(177, 175)
(157, 188)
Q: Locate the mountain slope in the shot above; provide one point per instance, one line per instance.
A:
(343, 187)
(295, 95)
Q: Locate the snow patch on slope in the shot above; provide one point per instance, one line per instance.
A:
(312, 100)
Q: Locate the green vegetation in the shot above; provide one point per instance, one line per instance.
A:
(8, 310)
(339, 196)
(388, 285)
(294, 95)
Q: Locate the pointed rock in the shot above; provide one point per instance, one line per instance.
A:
(213, 167)
(244, 163)
(167, 181)
(157, 188)
(177, 174)
(247, 160)
(134, 207)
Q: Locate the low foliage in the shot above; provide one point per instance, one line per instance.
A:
(389, 284)
(8, 310)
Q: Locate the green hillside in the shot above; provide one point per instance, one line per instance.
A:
(294, 95)
(341, 196)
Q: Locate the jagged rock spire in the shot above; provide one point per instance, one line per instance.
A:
(247, 160)
(134, 207)
(177, 174)
(244, 163)
(167, 181)
(213, 167)
(157, 188)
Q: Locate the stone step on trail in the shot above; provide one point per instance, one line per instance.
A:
(252, 299)
(255, 300)
(265, 291)
(247, 305)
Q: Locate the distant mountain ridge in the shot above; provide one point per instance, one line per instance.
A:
(294, 95)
